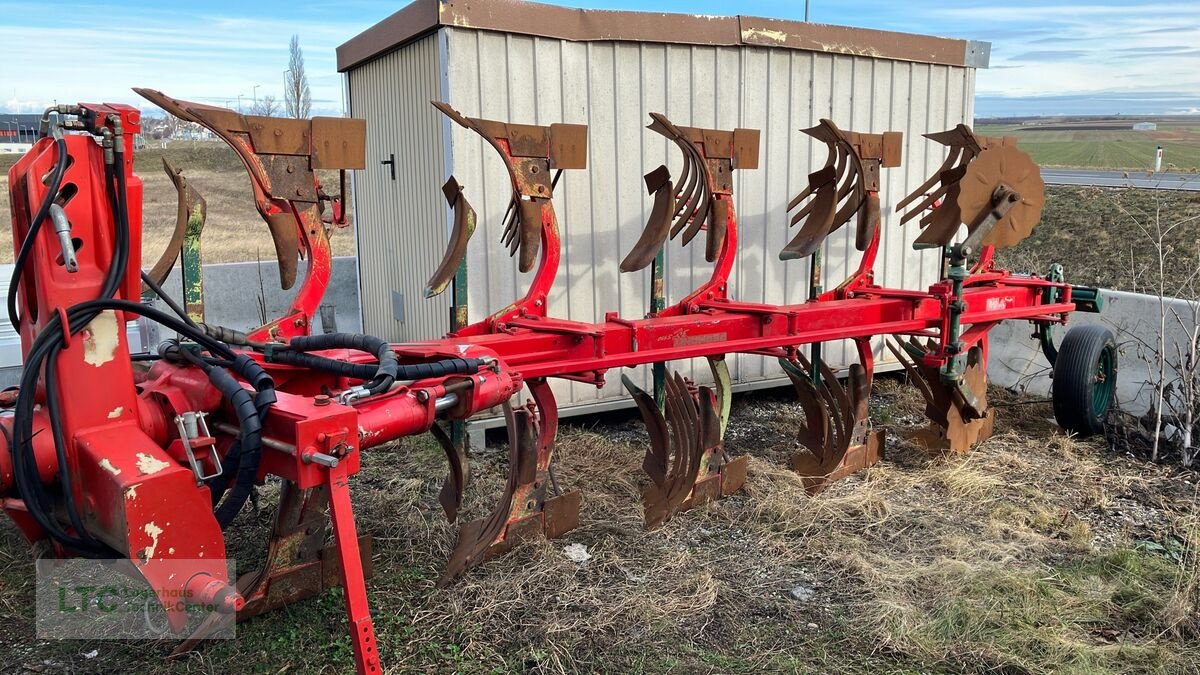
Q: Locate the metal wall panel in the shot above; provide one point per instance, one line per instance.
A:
(612, 87)
(402, 224)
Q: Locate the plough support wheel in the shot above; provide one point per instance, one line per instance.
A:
(1085, 379)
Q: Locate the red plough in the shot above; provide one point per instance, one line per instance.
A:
(155, 467)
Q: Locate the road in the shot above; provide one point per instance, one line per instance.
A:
(1137, 179)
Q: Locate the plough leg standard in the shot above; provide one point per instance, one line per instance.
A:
(148, 457)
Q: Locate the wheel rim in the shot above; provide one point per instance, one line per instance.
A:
(1104, 383)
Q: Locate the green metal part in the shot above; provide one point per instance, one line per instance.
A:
(458, 321)
(1044, 330)
(1087, 299)
(1102, 389)
(720, 372)
(794, 369)
(193, 265)
(815, 288)
(658, 302)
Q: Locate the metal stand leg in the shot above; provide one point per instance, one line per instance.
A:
(362, 631)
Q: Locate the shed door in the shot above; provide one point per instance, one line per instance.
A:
(399, 212)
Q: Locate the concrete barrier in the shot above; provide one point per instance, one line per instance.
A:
(239, 295)
(236, 295)
(1016, 360)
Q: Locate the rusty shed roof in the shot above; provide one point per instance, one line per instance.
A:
(529, 18)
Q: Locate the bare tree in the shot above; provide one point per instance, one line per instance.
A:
(296, 96)
(1174, 416)
(267, 106)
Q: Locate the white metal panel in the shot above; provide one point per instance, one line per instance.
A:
(612, 87)
(402, 224)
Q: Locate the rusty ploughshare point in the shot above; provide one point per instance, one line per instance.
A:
(836, 435)
(846, 185)
(190, 205)
(525, 510)
(460, 235)
(280, 156)
(455, 486)
(958, 423)
(700, 198)
(686, 461)
(531, 153)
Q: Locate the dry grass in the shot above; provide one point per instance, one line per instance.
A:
(1035, 553)
(234, 231)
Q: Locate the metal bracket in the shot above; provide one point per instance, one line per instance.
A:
(191, 426)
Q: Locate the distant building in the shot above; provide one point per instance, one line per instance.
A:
(18, 132)
(1145, 126)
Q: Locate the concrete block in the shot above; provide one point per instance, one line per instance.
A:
(1016, 360)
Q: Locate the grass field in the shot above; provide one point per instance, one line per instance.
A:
(1105, 149)
(1036, 553)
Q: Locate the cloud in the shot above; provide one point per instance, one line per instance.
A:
(1170, 49)
(198, 54)
(1132, 102)
(1050, 56)
(1168, 29)
(1091, 50)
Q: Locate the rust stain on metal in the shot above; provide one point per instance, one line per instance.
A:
(526, 18)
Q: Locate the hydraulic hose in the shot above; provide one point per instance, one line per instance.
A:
(386, 372)
(60, 168)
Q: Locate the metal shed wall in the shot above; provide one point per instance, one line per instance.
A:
(401, 223)
(611, 87)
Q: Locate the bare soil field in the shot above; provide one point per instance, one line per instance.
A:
(1105, 237)
(1037, 553)
(234, 232)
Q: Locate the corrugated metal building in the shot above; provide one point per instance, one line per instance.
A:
(540, 64)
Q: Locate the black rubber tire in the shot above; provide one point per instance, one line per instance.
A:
(1081, 400)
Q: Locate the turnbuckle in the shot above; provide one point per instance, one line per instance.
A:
(193, 426)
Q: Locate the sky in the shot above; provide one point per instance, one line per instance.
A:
(1048, 57)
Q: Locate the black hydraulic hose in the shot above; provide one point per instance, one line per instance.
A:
(47, 351)
(170, 302)
(244, 456)
(25, 473)
(115, 180)
(417, 371)
(358, 371)
(44, 346)
(248, 446)
(385, 373)
(50, 341)
(60, 168)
